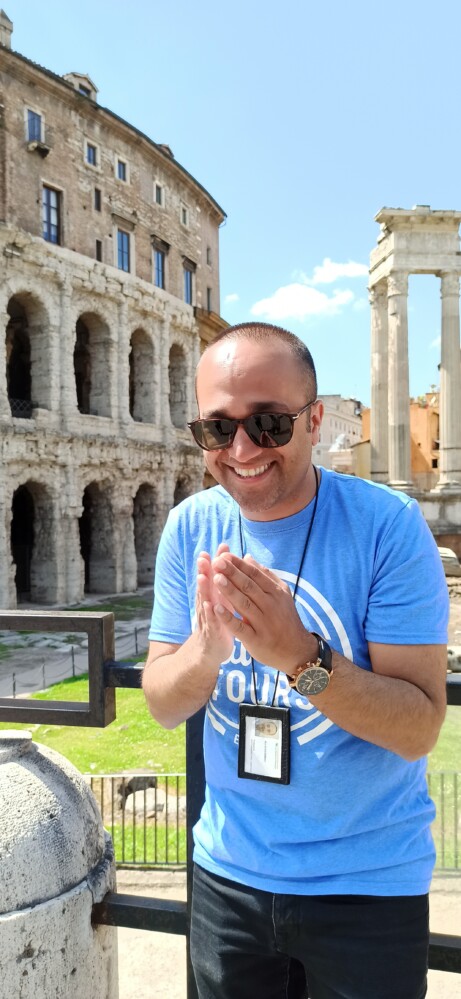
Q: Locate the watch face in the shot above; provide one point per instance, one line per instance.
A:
(312, 681)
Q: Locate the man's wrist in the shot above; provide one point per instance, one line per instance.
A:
(308, 653)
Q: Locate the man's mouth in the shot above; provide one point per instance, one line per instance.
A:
(250, 473)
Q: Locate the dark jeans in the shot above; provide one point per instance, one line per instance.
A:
(251, 944)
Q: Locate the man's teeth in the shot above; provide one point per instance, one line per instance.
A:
(246, 473)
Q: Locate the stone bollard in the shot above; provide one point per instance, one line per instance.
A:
(55, 862)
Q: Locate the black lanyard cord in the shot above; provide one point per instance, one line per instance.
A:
(309, 532)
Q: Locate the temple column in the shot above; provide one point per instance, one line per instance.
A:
(399, 383)
(379, 384)
(450, 387)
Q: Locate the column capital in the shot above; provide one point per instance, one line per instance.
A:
(377, 292)
(397, 283)
(449, 283)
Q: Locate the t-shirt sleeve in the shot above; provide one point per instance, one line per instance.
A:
(171, 620)
(408, 602)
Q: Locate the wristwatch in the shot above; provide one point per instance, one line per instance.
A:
(314, 677)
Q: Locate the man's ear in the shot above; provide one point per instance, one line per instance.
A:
(316, 421)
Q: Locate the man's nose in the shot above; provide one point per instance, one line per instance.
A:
(243, 448)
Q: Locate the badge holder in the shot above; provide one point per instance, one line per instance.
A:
(264, 743)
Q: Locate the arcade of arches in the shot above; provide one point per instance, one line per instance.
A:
(95, 394)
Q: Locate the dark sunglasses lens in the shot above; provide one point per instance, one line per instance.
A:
(214, 434)
(269, 429)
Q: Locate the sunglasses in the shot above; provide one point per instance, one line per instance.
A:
(263, 429)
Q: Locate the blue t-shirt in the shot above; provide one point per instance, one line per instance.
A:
(355, 818)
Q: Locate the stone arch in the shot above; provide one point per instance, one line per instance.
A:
(92, 364)
(146, 533)
(97, 548)
(177, 373)
(28, 355)
(182, 489)
(33, 542)
(142, 377)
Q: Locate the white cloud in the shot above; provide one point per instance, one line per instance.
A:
(302, 299)
(231, 298)
(299, 301)
(436, 343)
(329, 272)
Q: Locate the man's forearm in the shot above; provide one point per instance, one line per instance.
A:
(179, 684)
(388, 711)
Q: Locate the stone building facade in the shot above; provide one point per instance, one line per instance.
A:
(341, 429)
(109, 286)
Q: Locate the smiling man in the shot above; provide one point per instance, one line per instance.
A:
(308, 612)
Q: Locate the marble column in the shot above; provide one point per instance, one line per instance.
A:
(399, 382)
(379, 384)
(450, 387)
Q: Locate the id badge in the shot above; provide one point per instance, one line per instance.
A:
(264, 743)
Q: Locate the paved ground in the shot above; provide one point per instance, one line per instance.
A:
(153, 965)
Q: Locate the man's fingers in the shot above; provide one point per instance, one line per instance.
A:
(244, 596)
(237, 626)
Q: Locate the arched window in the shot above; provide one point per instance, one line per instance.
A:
(92, 365)
(142, 378)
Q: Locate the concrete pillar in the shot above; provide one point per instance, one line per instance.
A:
(5, 411)
(124, 547)
(70, 513)
(56, 861)
(399, 383)
(68, 335)
(450, 387)
(8, 599)
(157, 381)
(123, 365)
(379, 427)
(165, 417)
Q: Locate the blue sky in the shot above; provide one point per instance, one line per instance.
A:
(302, 120)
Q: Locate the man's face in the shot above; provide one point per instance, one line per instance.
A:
(239, 377)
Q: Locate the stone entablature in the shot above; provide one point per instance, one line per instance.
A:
(419, 241)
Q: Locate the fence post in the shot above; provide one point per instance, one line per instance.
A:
(43, 675)
(136, 640)
(14, 685)
(73, 659)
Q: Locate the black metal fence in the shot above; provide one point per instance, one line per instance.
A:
(51, 665)
(146, 816)
(105, 674)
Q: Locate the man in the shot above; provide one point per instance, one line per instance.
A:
(308, 611)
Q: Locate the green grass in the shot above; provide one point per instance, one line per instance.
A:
(133, 741)
(124, 608)
(150, 846)
(447, 753)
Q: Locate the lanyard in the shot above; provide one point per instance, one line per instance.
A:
(309, 532)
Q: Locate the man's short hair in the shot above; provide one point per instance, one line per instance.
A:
(265, 331)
